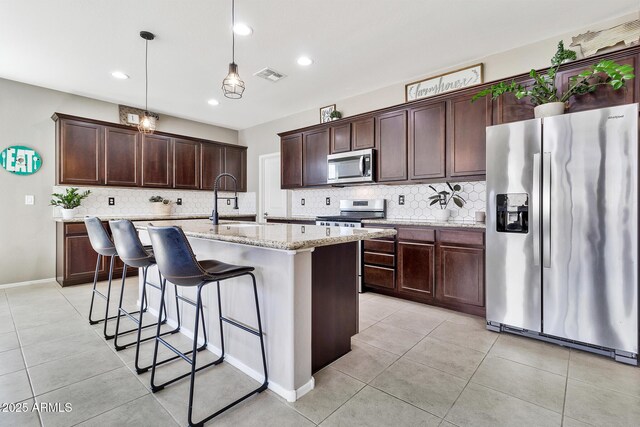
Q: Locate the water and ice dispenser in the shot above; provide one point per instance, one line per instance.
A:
(512, 214)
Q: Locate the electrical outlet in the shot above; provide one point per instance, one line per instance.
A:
(401, 199)
(302, 202)
(327, 201)
(112, 201)
(179, 202)
(29, 200)
(228, 202)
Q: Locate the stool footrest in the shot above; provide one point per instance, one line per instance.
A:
(240, 325)
(100, 294)
(122, 347)
(187, 300)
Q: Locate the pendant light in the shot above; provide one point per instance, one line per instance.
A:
(147, 123)
(232, 85)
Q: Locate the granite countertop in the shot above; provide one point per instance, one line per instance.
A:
(426, 223)
(149, 217)
(274, 236)
(292, 218)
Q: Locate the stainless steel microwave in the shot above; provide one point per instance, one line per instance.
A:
(354, 166)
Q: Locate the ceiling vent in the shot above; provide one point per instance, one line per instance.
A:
(269, 74)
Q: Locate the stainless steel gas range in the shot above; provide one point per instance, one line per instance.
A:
(352, 213)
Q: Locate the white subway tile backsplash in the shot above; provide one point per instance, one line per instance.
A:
(132, 201)
(416, 200)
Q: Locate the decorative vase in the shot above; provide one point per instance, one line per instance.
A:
(441, 215)
(68, 213)
(549, 109)
(161, 209)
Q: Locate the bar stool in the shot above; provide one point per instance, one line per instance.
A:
(134, 254)
(178, 264)
(103, 245)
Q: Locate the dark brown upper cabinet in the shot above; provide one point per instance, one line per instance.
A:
(122, 157)
(605, 95)
(157, 161)
(315, 149)
(466, 135)
(92, 152)
(186, 164)
(79, 152)
(341, 138)
(291, 158)
(212, 164)
(427, 141)
(235, 163)
(508, 108)
(363, 133)
(391, 141)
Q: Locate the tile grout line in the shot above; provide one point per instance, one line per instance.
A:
(100, 335)
(33, 394)
(469, 380)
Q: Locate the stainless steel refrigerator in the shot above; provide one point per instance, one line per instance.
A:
(562, 230)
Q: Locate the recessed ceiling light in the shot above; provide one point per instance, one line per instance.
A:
(242, 29)
(119, 75)
(213, 102)
(304, 61)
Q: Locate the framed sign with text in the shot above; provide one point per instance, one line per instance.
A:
(443, 83)
(20, 160)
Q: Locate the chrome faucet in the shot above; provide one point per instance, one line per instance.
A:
(214, 213)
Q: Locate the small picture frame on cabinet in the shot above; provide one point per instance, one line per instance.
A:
(325, 113)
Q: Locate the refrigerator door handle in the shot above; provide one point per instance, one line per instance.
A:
(535, 209)
(546, 210)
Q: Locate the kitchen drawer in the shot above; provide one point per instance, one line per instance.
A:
(379, 259)
(75, 228)
(461, 237)
(420, 234)
(380, 246)
(379, 276)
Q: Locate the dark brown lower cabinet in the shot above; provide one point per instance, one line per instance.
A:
(460, 275)
(76, 260)
(416, 269)
(438, 266)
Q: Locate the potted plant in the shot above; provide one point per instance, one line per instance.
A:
(335, 115)
(161, 206)
(69, 201)
(544, 93)
(443, 198)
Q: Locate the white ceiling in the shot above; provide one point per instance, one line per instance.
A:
(357, 46)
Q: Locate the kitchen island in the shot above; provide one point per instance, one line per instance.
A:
(307, 287)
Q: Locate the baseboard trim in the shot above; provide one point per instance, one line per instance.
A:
(27, 283)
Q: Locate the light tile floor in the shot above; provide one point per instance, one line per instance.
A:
(411, 364)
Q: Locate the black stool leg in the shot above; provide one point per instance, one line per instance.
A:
(179, 354)
(264, 358)
(106, 312)
(195, 355)
(163, 285)
(93, 292)
(265, 383)
(139, 369)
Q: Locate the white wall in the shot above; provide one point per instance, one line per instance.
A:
(27, 233)
(263, 139)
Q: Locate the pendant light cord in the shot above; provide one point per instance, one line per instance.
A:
(233, 33)
(146, 75)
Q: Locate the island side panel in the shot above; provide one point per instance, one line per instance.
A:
(334, 302)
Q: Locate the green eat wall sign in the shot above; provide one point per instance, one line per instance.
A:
(20, 160)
